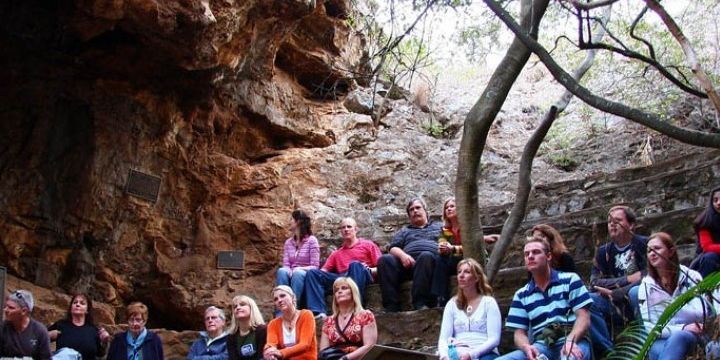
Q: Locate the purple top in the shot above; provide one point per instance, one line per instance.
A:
(305, 256)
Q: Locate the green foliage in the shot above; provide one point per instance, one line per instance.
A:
(557, 147)
(434, 129)
(635, 343)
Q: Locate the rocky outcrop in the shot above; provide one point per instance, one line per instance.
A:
(207, 96)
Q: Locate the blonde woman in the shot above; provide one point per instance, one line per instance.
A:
(292, 334)
(351, 331)
(247, 331)
(471, 320)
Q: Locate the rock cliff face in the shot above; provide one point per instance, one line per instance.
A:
(223, 100)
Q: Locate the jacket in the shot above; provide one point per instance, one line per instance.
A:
(151, 349)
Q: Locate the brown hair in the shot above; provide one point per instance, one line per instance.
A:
(481, 285)
(629, 213)
(554, 239)
(666, 240)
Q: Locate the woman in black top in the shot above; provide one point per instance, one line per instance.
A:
(247, 330)
(561, 259)
(78, 331)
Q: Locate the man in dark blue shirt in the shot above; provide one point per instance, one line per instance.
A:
(412, 254)
(618, 267)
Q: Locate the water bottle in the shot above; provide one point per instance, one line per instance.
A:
(452, 352)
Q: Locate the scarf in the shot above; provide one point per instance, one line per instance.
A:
(135, 344)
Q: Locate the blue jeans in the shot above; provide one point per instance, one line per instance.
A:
(706, 264)
(552, 352)
(296, 281)
(675, 347)
(604, 310)
(319, 283)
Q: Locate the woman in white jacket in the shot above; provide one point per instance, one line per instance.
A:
(665, 281)
(471, 321)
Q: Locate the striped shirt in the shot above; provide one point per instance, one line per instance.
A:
(533, 309)
(307, 254)
(415, 240)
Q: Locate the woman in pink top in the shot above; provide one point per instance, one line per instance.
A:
(300, 253)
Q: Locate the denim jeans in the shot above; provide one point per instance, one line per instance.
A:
(604, 310)
(296, 281)
(319, 283)
(706, 263)
(552, 352)
(675, 347)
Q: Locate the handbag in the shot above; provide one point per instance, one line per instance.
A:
(331, 353)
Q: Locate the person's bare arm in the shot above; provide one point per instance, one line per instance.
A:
(579, 329)
(406, 260)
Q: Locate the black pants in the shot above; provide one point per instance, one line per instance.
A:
(445, 267)
(392, 273)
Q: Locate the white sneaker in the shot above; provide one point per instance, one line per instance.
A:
(321, 316)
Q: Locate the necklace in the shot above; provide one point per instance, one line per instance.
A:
(290, 324)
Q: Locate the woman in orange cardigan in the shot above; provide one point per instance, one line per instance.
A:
(292, 334)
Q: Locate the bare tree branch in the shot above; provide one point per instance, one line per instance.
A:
(652, 121)
(524, 187)
(591, 5)
(635, 22)
(687, 48)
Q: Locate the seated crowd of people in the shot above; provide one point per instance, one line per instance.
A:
(555, 315)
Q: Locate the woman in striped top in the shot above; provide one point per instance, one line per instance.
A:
(300, 254)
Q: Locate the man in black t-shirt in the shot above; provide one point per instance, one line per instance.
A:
(618, 267)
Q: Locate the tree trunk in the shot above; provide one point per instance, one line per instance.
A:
(477, 126)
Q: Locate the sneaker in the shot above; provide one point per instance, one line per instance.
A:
(321, 316)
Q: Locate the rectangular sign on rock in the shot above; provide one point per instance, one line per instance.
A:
(231, 260)
(142, 185)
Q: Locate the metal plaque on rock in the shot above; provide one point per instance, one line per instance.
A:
(230, 260)
(142, 185)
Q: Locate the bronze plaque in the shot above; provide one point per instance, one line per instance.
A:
(144, 186)
(230, 260)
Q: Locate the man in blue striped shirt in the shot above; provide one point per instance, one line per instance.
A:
(553, 308)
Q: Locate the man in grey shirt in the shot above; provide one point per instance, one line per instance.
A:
(412, 254)
(21, 335)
